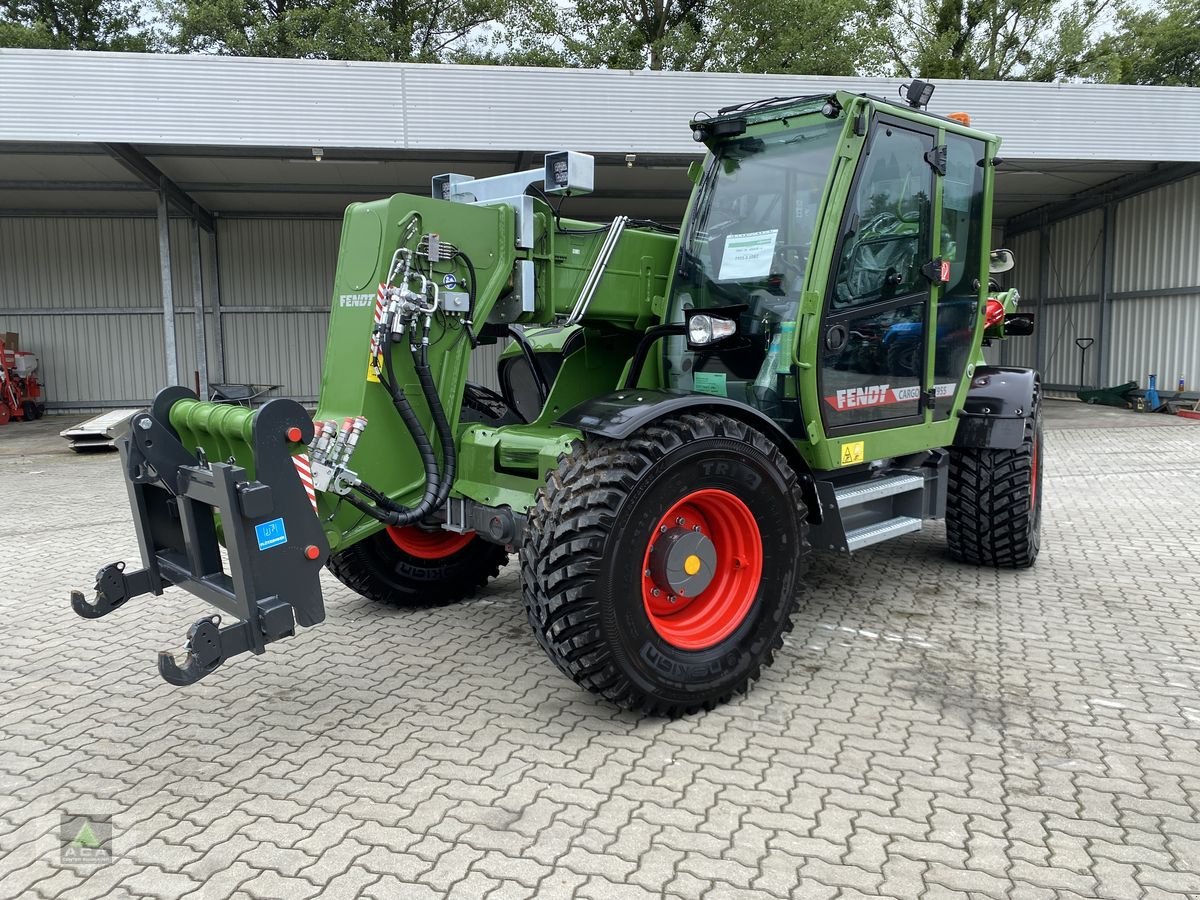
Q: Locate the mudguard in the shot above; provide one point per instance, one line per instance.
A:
(999, 401)
(619, 414)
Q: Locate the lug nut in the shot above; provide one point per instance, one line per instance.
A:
(679, 521)
(647, 573)
(695, 528)
(663, 529)
(655, 592)
(670, 598)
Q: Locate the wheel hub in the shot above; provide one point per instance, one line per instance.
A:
(702, 569)
(683, 562)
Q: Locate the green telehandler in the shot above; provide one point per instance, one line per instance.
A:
(682, 416)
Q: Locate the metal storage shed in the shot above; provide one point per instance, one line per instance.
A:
(141, 194)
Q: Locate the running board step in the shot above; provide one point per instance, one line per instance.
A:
(877, 489)
(881, 531)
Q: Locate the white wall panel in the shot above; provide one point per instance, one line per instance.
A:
(1063, 323)
(1158, 239)
(1156, 335)
(284, 348)
(223, 100)
(78, 263)
(1076, 254)
(1026, 249)
(277, 262)
(95, 360)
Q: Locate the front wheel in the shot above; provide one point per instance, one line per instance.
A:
(410, 566)
(661, 571)
(994, 503)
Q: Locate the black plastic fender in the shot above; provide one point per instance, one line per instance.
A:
(999, 401)
(619, 414)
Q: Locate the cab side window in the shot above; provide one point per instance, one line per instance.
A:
(881, 259)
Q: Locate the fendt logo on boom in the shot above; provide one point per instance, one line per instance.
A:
(353, 301)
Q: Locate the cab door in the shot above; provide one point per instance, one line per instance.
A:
(874, 349)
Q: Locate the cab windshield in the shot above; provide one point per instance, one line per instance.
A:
(746, 247)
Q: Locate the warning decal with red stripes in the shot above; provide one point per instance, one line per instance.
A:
(373, 361)
(304, 470)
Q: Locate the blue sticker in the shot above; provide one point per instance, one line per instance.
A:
(450, 282)
(270, 534)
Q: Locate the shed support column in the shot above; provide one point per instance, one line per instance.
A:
(218, 328)
(168, 301)
(198, 305)
(1104, 317)
(1043, 294)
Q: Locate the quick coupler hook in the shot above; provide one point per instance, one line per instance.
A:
(112, 590)
(203, 654)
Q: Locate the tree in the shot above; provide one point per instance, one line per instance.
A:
(1159, 46)
(803, 37)
(834, 37)
(73, 25)
(391, 30)
(1035, 40)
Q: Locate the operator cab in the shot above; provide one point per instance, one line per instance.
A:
(782, 216)
(745, 253)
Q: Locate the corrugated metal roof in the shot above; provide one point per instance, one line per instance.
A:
(232, 101)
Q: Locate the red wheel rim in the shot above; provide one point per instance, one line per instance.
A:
(715, 612)
(428, 544)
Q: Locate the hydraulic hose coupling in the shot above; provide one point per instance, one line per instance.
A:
(322, 440)
(347, 440)
(356, 430)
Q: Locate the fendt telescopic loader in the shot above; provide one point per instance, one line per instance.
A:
(681, 416)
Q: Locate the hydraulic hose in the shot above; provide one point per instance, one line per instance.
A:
(472, 293)
(385, 509)
(437, 484)
(440, 422)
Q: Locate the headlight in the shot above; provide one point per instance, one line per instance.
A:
(704, 330)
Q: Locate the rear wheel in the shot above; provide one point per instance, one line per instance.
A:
(413, 567)
(994, 503)
(29, 411)
(661, 571)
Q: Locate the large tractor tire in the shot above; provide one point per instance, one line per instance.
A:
(661, 571)
(412, 567)
(994, 503)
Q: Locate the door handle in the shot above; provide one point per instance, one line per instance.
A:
(836, 337)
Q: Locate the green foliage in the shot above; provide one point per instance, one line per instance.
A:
(1036, 40)
(390, 30)
(803, 37)
(1042, 40)
(1156, 46)
(74, 25)
(790, 36)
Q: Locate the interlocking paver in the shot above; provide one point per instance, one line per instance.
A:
(929, 730)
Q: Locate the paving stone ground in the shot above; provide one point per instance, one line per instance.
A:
(930, 730)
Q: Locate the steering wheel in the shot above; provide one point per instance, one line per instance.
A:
(793, 258)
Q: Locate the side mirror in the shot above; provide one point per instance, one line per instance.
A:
(1018, 324)
(1001, 261)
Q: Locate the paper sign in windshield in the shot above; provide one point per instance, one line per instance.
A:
(748, 255)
